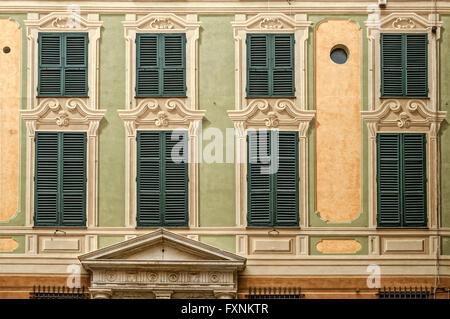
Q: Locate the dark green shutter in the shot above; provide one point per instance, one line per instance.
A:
(258, 82)
(401, 180)
(76, 64)
(73, 188)
(404, 65)
(283, 65)
(414, 181)
(286, 210)
(60, 179)
(50, 64)
(160, 65)
(46, 201)
(389, 183)
(149, 170)
(63, 64)
(258, 180)
(162, 179)
(272, 195)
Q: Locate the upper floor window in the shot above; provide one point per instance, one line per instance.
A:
(60, 179)
(272, 178)
(161, 65)
(162, 178)
(270, 65)
(401, 179)
(63, 64)
(404, 61)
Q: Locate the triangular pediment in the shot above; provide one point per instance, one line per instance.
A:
(161, 246)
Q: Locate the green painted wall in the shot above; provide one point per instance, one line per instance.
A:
(20, 248)
(314, 219)
(445, 246)
(364, 241)
(216, 96)
(111, 168)
(19, 217)
(104, 241)
(445, 130)
(227, 243)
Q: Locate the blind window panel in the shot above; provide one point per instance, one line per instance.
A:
(60, 179)
(63, 64)
(404, 65)
(270, 65)
(161, 65)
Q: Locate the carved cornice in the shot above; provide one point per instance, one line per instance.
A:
(161, 22)
(271, 21)
(273, 114)
(401, 115)
(63, 21)
(403, 22)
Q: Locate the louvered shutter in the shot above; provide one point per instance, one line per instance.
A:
(286, 191)
(50, 64)
(388, 176)
(175, 178)
(148, 72)
(149, 156)
(174, 65)
(258, 179)
(46, 179)
(392, 65)
(283, 65)
(73, 188)
(258, 71)
(414, 180)
(76, 64)
(416, 65)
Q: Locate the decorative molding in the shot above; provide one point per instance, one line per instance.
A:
(162, 23)
(271, 23)
(64, 115)
(403, 23)
(157, 114)
(279, 114)
(62, 22)
(400, 116)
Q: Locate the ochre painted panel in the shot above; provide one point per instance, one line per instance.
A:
(9, 118)
(8, 245)
(338, 246)
(338, 130)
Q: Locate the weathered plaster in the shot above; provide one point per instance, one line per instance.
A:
(12, 244)
(104, 241)
(341, 245)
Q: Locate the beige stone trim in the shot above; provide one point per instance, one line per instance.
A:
(161, 114)
(62, 22)
(279, 114)
(57, 114)
(162, 23)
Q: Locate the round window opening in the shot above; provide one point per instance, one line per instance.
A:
(339, 54)
(6, 50)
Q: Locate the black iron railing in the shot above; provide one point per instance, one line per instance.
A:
(274, 293)
(47, 292)
(406, 293)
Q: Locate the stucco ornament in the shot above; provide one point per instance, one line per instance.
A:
(272, 120)
(271, 23)
(162, 119)
(62, 119)
(161, 23)
(403, 23)
(403, 120)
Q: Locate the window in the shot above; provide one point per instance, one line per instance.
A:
(162, 178)
(270, 65)
(401, 180)
(404, 71)
(60, 179)
(160, 65)
(63, 66)
(272, 178)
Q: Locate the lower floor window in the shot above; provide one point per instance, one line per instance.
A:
(60, 179)
(401, 180)
(162, 178)
(272, 178)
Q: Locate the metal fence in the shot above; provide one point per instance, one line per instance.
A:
(47, 292)
(274, 293)
(406, 293)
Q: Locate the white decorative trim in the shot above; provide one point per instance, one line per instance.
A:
(62, 22)
(266, 114)
(157, 114)
(162, 23)
(402, 116)
(271, 23)
(47, 116)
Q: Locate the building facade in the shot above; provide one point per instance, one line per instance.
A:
(206, 149)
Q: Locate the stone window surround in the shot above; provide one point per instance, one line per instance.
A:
(403, 115)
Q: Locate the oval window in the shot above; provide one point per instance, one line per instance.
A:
(339, 54)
